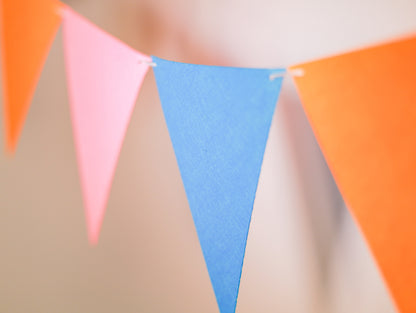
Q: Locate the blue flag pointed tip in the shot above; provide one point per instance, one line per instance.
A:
(218, 120)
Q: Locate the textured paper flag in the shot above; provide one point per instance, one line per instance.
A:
(362, 107)
(104, 78)
(28, 28)
(219, 119)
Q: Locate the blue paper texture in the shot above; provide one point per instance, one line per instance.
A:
(218, 120)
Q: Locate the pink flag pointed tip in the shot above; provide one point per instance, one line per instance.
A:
(94, 227)
(104, 77)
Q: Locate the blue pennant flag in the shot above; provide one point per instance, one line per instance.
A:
(218, 120)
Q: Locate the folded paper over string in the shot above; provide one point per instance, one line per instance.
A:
(219, 120)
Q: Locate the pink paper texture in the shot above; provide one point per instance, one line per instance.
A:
(104, 77)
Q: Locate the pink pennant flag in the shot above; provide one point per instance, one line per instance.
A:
(104, 77)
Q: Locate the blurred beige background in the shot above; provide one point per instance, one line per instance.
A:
(304, 253)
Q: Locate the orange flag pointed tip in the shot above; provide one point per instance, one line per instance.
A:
(362, 108)
(27, 31)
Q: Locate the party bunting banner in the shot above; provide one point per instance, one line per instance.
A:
(219, 120)
(28, 28)
(362, 107)
(104, 78)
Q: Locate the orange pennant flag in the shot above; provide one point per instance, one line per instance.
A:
(27, 31)
(362, 108)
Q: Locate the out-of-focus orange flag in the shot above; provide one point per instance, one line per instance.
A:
(362, 108)
(28, 28)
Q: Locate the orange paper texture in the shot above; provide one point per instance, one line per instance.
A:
(27, 28)
(362, 107)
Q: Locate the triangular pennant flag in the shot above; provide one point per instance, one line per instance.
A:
(28, 29)
(362, 107)
(219, 120)
(104, 78)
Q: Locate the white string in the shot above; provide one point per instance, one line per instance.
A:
(295, 72)
(152, 64)
(277, 75)
(298, 72)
